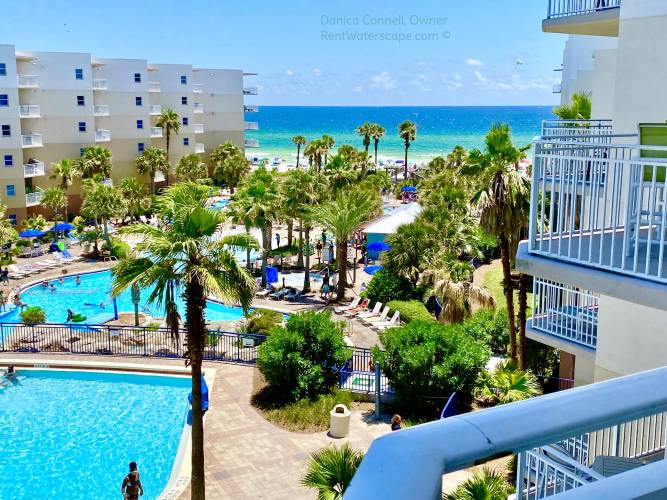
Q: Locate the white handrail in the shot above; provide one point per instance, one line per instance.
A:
(563, 8)
(29, 111)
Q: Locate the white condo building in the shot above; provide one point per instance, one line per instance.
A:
(597, 253)
(53, 104)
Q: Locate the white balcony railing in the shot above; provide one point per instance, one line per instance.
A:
(595, 130)
(34, 198)
(199, 128)
(27, 81)
(154, 86)
(601, 205)
(565, 312)
(251, 126)
(156, 132)
(198, 107)
(250, 108)
(100, 84)
(251, 143)
(569, 440)
(102, 135)
(199, 147)
(31, 140)
(563, 8)
(33, 169)
(250, 91)
(197, 88)
(29, 111)
(101, 110)
(155, 109)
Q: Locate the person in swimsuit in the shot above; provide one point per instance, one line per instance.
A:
(131, 487)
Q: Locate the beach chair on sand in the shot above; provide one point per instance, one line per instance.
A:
(383, 325)
(377, 319)
(351, 305)
(373, 312)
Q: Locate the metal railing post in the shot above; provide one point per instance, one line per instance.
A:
(377, 391)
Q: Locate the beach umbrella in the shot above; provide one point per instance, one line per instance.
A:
(32, 233)
(372, 269)
(409, 189)
(271, 274)
(379, 246)
(63, 226)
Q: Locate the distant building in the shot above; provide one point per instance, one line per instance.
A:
(389, 223)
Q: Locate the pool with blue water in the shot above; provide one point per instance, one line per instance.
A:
(71, 434)
(219, 205)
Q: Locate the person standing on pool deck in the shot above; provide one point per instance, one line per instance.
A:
(277, 240)
(324, 237)
(331, 252)
(131, 487)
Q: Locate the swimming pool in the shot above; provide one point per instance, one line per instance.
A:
(219, 205)
(95, 288)
(71, 434)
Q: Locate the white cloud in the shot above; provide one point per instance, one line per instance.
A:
(515, 83)
(453, 83)
(358, 88)
(474, 62)
(317, 72)
(289, 72)
(383, 81)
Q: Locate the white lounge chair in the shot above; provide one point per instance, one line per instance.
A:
(15, 273)
(14, 269)
(351, 305)
(279, 294)
(377, 319)
(262, 293)
(373, 312)
(394, 321)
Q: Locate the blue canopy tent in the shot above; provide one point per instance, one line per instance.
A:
(32, 233)
(372, 269)
(204, 395)
(62, 226)
(271, 274)
(379, 246)
(409, 189)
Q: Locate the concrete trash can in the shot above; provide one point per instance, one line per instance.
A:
(339, 421)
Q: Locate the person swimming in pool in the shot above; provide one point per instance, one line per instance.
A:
(102, 304)
(78, 280)
(70, 315)
(10, 373)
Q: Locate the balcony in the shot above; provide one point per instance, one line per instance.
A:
(250, 108)
(251, 126)
(31, 140)
(250, 91)
(197, 88)
(156, 132)
(34, 198)
(100, 84)
(155, 110)
(198, 108)
(579, 130)
(154, 86)
(33, 169)
(27, 81)
(101, 110)
(29, 111)
(583, 17)
(102, 135)
(199, 147)
(199, 128)
(251, 143)
(604, 440)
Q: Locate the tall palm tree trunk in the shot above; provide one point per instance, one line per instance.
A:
(194, 294)
(266, 248)
(306, 274)
(341, 259)
(299, 255)
(523, 305)
(405, 165)
(248, 265)
(509, 294)
(166, 177)
(152, 181)
(376, 153)
(298, 151)
(290, 231)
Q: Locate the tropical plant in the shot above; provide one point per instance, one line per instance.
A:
(231, 170)
(55, 199)
(365, 130)
(507, 384)
(457, 158)
(136, 197)
(102, 203)
(170, 122)
(152, 161)
(342, 217)
(298, 141)
(580, 108)
(262, 321)
(377, 132)
(8, 233)
(95, 160)
(339, 173)
(410, 310)
(486, 484)
(190, 168)
(412, 248)
(222, 152)
(330, 471)
(386, 286)
(35, 222)
(186, 257)
(33, 315)
(326, 143)
(408, 132)
(66, 170)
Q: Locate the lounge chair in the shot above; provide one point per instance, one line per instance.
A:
(383, 325)
(15, 273)
(14, 269)
(363, 306)
(293, 295)
(279, 294)
(377, 319)
(373, 312)
(262, 293)
(351, 305)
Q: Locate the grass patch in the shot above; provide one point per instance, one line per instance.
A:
(493, 282)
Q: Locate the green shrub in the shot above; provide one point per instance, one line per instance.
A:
(411, 310)
(487, 483)
(386, 287)
(487, 244)
(491, 328)
(426, 362)
(33, 315)
(301, 359)
(262, 321)
(119, 249)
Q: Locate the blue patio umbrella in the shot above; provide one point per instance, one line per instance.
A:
(204, 395)
(372, 269)
(271, 274)
(32, 233)
(379, 246)
(63, 226)
(409, 189)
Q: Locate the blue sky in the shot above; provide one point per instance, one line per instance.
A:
(384, 52)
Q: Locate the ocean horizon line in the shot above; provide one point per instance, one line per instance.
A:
(406, 106)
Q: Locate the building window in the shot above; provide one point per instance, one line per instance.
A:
(3, 69)
(9, 161)
(140, 147)
(81, 151)
(186, 141)
(6, 131)
(82, 126)
(78, 73)
(140, 124)
(4, 100)
(12, 219)
(185, 120)
(137, 78)
(138, 101)
(184, 80)
(10, 190)
(184, 101)
(80, 100)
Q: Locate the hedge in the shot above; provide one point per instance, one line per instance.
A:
(411, 310)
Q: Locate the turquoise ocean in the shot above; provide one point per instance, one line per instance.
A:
(439, 128)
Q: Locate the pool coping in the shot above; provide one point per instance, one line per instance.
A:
(181, 470)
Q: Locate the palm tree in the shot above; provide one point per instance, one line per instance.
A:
(191, 168)
(170, 122)
(135, 195)
(408, 132)
(102, 203)
(7, 231)
(377, 132)
(298, 141)
(152, 161)
(457, 157)
(55, 199)
(365, 130)
(95, 160)
(486, 484)
(330, 471)
(187, 255)
(67, 170)
(327, 144)
(508, 384)
(231, 170)
(580, 108)
(343, 216)
(459, 299)
(311, 152)
(503, 200)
